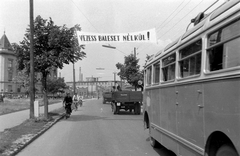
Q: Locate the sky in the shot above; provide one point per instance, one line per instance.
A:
(170, 19)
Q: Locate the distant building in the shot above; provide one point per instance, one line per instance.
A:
(92, 87)
(8, 69)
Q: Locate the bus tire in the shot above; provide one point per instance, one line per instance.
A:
(154, 143)
(226, 150)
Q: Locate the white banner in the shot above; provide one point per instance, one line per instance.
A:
(142, 36)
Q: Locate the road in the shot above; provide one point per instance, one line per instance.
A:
(94, 131)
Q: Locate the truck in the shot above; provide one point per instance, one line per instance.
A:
(107, 97)
(127, 100)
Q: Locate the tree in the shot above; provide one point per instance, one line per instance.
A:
(130, 71)
(56, 85)
(54, 46)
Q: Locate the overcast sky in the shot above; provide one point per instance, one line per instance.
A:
(170, 18)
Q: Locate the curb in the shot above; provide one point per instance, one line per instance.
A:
(25, 140)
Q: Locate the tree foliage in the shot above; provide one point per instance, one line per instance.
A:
(130, 70)
(54, 46)
(56, 85)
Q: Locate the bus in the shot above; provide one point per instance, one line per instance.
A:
(191, 102)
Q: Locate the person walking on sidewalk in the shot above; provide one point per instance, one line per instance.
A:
(67, 102)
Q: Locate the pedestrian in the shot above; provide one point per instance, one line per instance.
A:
(67, 102)
(119, 88)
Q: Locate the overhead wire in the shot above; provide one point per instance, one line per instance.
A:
(182, 18)
(179, 11)
(84, 16)
(178, 21)
(170, 15)
(163, 23)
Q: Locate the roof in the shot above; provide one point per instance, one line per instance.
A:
(4, 43)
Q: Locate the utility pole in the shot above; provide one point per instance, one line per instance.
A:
(115, 78)
(74, 83)
(32, 90)
(134, 52)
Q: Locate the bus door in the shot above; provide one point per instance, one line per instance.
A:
(190, 116)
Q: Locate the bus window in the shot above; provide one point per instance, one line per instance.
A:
(168, 67)
(224, 48)
(149, 75)
(156, 73)
(190, 59)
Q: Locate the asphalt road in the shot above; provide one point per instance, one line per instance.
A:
(94, 131)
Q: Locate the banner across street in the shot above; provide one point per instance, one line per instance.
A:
(142, 36)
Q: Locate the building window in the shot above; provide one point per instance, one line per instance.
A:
(10, 69)
(168, 67)
(10, 88)
(223, 47)
(190, 59)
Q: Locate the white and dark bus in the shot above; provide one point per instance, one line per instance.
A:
(192, 88)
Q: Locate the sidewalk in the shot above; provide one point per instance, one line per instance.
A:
(13, 119)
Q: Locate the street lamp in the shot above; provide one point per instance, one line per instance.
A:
(109, 46)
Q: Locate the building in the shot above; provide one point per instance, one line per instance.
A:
(92, 87)
(8, 69)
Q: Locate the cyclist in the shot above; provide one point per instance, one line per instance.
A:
(76, 100)
(67, 102)
(80, 100)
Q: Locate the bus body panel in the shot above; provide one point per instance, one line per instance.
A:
(190, 113)
(168, 116)
(198, 113)
(222, 108)
(155, 106)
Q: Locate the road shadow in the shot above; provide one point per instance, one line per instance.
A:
(161, 150)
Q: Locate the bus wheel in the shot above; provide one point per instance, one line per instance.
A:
(154, 143)
(226, 150)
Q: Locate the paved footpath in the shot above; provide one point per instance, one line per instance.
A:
(13, 119)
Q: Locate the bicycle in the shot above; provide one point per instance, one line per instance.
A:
(68, 110)
(76, 105)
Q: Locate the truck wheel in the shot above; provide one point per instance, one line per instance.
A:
(137, 109)
(115, 109)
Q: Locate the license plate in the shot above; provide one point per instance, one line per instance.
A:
(118, 104)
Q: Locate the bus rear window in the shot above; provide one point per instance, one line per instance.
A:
(226, 53)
